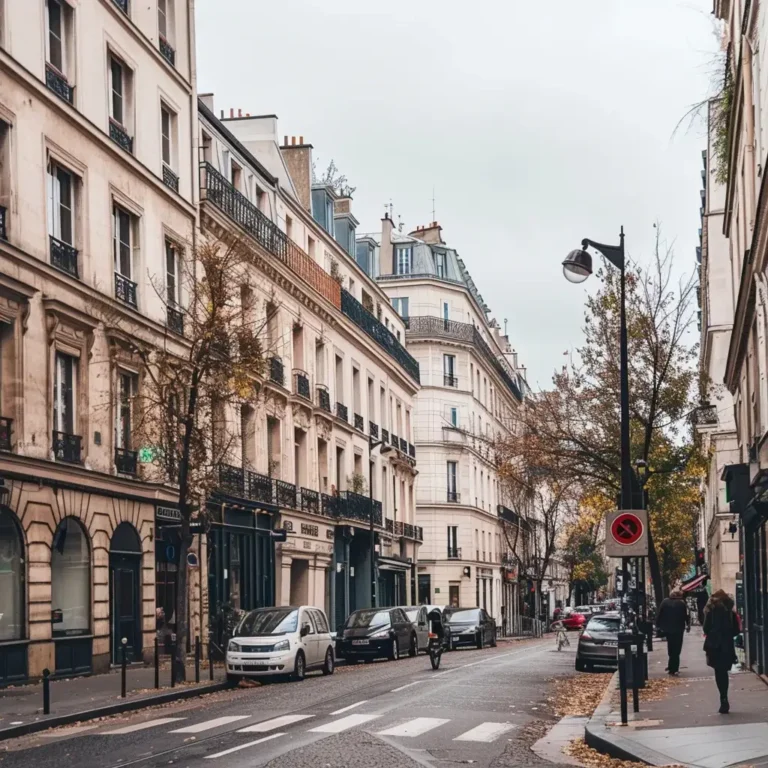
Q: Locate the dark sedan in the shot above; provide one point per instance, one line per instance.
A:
(372, 633)
(598, 643)
(470, 627)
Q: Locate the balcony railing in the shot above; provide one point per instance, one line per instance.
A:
(418, 533)
(126, 461)
(3, 223)
(373, 430)
(285, 494)
(359, 315)
(454, 553)
(449, 380)
(57, 83)
(398, 527)
(170, 179)
(437, 327)
(453, 496)
(357, 507)
(359, 422)
(276, 371)
(412, 450)
(342, 411)
(389, 525)
(384, 436)
(408, 531)
(323, 398)
(175, 320)
(395, 440)
(301, 383)
(403, 445)
(310, 501)
(64, 257)
(66, 447)
(122, 5)
(6, 430)
(125, 290)
(166, 49)
(120, 136)
(217, 190)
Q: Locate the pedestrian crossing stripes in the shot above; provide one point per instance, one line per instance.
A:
(142, 726)
(274, 724)
(485, 732)
(415, 727)
(343, 724)
(208, 725)
(243, 746)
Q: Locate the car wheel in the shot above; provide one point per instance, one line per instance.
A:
(300, 670)
(413, 649)
(579, 665)
(233, 679)
(394, 653)
(479, 641)
(328, 667)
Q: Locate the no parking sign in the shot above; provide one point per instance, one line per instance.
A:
(626, 533)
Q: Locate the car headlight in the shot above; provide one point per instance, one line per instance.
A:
(233, 646)
(381, 633)
(283, 645)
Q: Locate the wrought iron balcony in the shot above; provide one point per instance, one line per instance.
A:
(359, 422)
(276, 371)
(122, 5)
(366, 321)
(66, 447)
(412, 450)
(418, 533)
(175, 320)
(395, 440)
(357, 507)
(389, 525)
(125, 290)
(120, 136)
(342, 411)
(453, 496)
(408, 531)
(403, 445)
(373, 430)
(3, 223)
(449, 380)
(245, 484)
(398, 527)
(705, 416)
(310, 501)
(323, 398)
(64, 257)
(384, 436)
(6, 430)
(221, 193)
(454, 553)
(126, 461)
(57, 83)
(285, 494)
(301, 383)
(170, 179)
(330, 505)
(167, 50)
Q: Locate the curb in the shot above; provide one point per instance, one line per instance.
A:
(129, 705)
(599, 737)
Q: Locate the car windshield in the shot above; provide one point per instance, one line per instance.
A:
(463, 617)
(269, 621)
(361, 619)
(412, 614)
(603, 624)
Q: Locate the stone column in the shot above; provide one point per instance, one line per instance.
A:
(101, 405)
(38, 385)
(285, 583)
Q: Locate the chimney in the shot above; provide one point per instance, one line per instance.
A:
(298, 160)
(239, 112)
(207, 99)
(431, 234)
(386, 252)
(231, 112)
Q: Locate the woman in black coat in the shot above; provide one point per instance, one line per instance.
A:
(720, 626)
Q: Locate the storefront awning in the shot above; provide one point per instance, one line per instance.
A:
(392, 564)
(695, 583)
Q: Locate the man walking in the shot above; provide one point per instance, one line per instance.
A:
(673, 620)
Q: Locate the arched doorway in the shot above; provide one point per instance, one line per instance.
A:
(71, 598)
(125, 592)
(13, 656)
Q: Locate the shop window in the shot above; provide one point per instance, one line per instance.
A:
(11, 578)
(70, 580)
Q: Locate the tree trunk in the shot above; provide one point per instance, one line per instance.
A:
(653, 563)
(182, 603)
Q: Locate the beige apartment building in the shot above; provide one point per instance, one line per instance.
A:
(98, 189)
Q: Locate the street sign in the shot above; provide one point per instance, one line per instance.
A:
(626, 533)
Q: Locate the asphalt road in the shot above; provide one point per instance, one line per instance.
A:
(482, 707)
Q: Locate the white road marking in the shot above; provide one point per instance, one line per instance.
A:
(142, 726)
(351, 706)
(274, 724)
(486, 732)
(337, 726)
(71, 731)
(408, 685)
(414, 727)
(244, 746)
(207, 725)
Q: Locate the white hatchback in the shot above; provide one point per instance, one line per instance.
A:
(288, 640)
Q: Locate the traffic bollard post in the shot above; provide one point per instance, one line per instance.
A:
(46, 691)
(210, 659)
(157, 664)
(124, 642)
(623, 685)
(173, 665)
(197, 659)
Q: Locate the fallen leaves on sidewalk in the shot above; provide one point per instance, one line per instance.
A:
(656, 688)
(594, 759)
(579, 695)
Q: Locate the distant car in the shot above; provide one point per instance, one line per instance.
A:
(280, 641)
(574, 619)
(417, 615)
(470, 626)
(599, 642)
(373, 633)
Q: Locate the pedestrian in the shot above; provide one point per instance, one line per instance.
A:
(674, 620)
(720, 625)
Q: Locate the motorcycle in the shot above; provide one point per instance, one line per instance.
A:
(437, 638)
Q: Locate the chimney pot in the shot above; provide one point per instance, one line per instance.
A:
(231, 112)
(222, 114)
(293, 140)
(301, 139)
(285, 140)
(239, 112)
(247, 114)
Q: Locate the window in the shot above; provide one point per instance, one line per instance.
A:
(403, 259)
(289, 227)
(165, 19)
(453, 541)
(60, 26)
(454, 417)
(440, 259)
(167, 125)
(449, 371)
(65, 383)
(70, 580)
(451, 481)
(11, 580)
(122, 242)
(117, 88)
(401, 306)
(172, 281)
(61, 223)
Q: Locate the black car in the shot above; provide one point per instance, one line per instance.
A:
(470, 626)
(598, 643)
(373, 633)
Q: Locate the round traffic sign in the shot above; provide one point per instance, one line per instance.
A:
(627, 528)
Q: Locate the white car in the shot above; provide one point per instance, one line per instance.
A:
(288, 640)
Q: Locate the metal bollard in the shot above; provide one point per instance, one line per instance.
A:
(46, 691)
(197, 659)
(157, 664)
(123, 664)
(173, 665)
(210, 660)
(623, 684)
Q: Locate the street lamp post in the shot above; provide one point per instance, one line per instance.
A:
(371, 445)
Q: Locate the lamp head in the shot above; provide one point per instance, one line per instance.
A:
(577, 266)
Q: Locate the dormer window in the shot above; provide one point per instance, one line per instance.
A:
(403, 259)
(440, 264)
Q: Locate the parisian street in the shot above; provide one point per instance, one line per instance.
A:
(481, 707)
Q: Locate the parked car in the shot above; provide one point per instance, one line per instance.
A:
(373, 633)
(598, 643)
(573, 619)
(470, 626)
(278, 641)
(417, 615)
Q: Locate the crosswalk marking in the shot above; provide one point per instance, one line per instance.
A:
(142, 726)
(414, 727)
(351, 706)
(273, 725)
(70, 731)
(345, 723)
(485, 732)
(244, 746)
(207, 725)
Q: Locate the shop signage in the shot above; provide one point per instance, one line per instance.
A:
(310, 530)
(147, 455)
(168, 513)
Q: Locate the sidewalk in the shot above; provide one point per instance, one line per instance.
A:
(86, 698)
(683, 726)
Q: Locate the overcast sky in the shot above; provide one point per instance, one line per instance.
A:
(537, 123)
